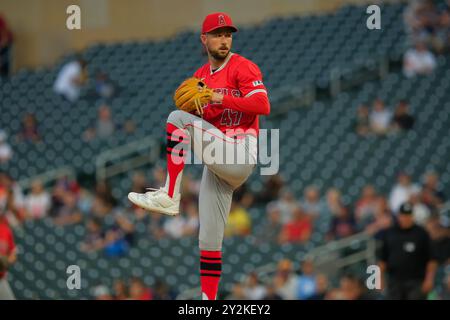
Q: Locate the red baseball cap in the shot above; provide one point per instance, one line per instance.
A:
(217, 20)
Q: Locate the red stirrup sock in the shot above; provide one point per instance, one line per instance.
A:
(177, 144)
(210, 270)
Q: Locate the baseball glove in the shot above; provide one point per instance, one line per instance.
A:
(3, 263)
(192, 95)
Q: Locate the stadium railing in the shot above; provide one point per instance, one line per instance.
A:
(329, 258)
(127, 157)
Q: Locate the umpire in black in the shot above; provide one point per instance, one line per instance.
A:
(406, 258)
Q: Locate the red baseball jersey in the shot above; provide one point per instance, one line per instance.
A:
(238, 77)
(6, 242)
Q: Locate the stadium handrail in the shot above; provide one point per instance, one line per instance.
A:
(323, 251)
(129, 156)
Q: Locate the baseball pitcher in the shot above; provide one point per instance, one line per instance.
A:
(218, 108)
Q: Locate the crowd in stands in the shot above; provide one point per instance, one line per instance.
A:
(381, 121)
(133, 289)
(289, 219)
(427, 24)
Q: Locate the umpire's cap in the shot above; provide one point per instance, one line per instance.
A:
(406, 208)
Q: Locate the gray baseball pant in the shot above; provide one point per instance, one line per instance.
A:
(220, 175)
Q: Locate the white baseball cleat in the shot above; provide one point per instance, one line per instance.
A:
(156, 201)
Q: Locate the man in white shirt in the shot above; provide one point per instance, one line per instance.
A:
(418, 61)
(70, 79)
(5, 148)
(38, 202)
(402, 192)
(380, 118)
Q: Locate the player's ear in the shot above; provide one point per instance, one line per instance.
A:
(203, 38)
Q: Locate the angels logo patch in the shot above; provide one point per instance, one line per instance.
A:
(221, 20)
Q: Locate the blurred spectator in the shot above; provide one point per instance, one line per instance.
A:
(306, 285)
(138, 290)
(342, 225)
(418, 61)
(443, 33)
(440, 239)
(163, 291)
(362, 123)
(38, 202)
(120, 290)
(100, 208)
(104, 127)
(105, 124)
(104, 88)
(423, 22)
(138, 182)
(101, 292)
(11, 200)
(159, 178)
(68, 185)
(271, 227)
(271, 189)
(5, 149)
(125, 223)
(285, 281)
(13, 211)
(382, 218)
(192, 220)
(253, 289)
(298, 230)
(156, 226)
(444, 293)
(321, 291)
(380, 118)
(243, 196)
(334, 202)
(8, 252)
(85, 200)
(311, 204)
(29, 131)
(412, 18)
(271, 293)
(180, 225)
(104, 192)
(94, 239)
(116, 244)
(70, 79)
(403, 120)
(402, 191)
(421, 213)
(237, 293)
(62, 187)
(406, 257)
(129, 127)
(68, 213)
(286, 204)
(432, 194)
(239, 222)
(6, 42)
(350, 288)
(190, 187)
(174, 227)
(366, 206)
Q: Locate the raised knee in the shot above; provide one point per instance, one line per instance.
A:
(176, 116)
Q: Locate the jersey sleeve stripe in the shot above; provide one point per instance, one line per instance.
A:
(255, 91)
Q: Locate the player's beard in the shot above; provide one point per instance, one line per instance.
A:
(217, 55)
